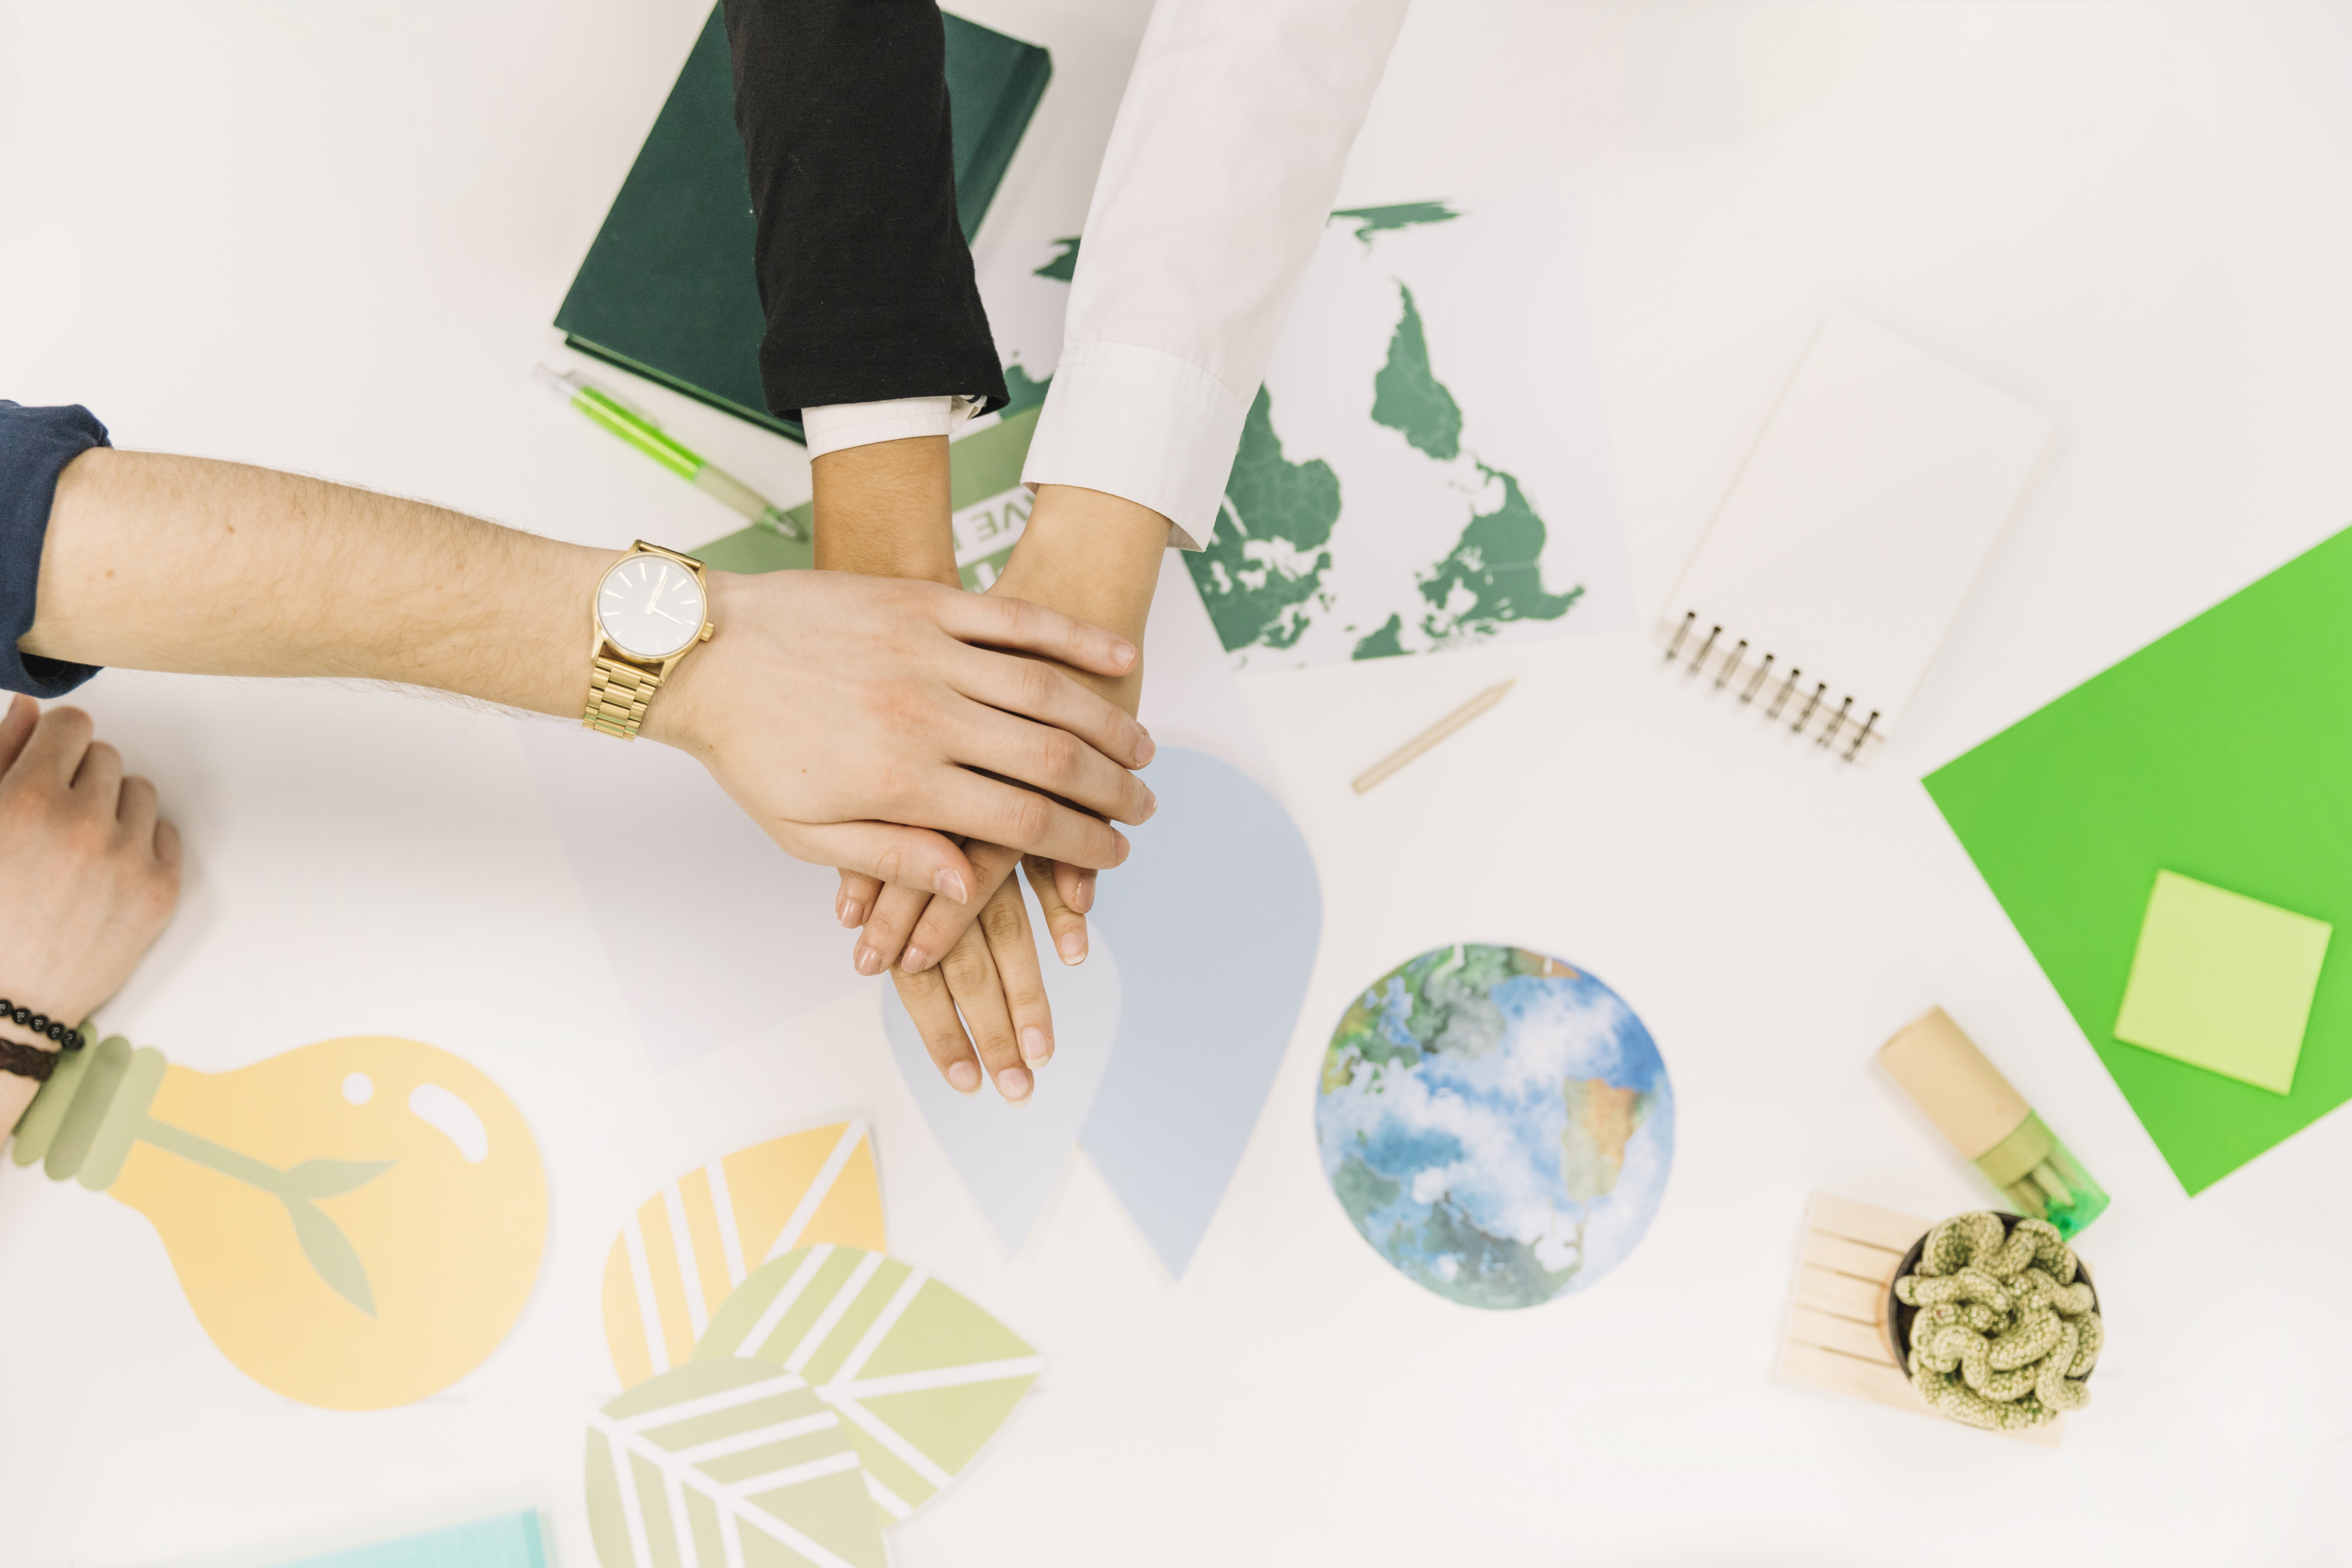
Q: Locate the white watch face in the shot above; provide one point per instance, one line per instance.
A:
(649, 607)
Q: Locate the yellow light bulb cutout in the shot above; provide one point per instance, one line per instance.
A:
(356, 1222)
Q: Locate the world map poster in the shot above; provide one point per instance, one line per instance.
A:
(1427, 466)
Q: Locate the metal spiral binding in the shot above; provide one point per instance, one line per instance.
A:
(1837, 716)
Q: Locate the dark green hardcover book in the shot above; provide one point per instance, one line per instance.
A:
(667, 289)
(993, 86)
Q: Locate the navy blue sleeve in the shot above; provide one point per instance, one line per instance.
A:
(36, 445)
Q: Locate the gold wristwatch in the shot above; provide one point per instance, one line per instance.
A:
(650, 611)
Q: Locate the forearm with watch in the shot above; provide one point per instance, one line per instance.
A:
(833, 708)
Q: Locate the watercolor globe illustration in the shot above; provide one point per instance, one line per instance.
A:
(1496, 1123)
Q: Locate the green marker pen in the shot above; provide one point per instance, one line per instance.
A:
(639, 429)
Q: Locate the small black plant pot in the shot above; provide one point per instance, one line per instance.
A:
(1897, 1320)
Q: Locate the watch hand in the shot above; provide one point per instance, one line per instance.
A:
(665, 615)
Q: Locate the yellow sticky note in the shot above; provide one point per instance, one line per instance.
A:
(2222, 981)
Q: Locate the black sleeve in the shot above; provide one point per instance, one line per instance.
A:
(36, 445)
(864, 273)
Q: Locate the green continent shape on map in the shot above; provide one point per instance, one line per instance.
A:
(1408, 398)
(1021, 392)
(1497, 558)
(1267, 559)
(1371, 221)
(1064, 267)
(1386, 643)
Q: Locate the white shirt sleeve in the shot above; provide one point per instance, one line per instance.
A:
(838, 426)
(1221, 172)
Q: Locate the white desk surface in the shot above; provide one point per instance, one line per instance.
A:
(330, 237)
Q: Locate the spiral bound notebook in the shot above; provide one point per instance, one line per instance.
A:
(1853, 532)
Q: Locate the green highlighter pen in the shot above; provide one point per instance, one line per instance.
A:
(639, 429)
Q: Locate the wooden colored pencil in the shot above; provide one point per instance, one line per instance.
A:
(1431, 736)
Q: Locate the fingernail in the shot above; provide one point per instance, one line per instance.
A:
(1085, 903)
(868, 960)
(1072, 946)
(1013, 1084)
(1145, 749)
(1034, 1047)
(1151, 805)
(950, 886)
(913, 959)
(1122, 654)
(964, 1079)
(1123, 846)
(851, 914)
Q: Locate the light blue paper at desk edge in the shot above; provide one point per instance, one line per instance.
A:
(510, 1541)
(1215, 918)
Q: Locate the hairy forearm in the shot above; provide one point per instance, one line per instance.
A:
(182, 563)
(829, 705)
(882, 510)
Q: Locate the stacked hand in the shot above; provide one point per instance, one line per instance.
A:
(918, 725)
(968, 970)
(878, 726)
(92, 868)
(974, 988)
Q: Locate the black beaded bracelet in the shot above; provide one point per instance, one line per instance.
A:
(64, 1036)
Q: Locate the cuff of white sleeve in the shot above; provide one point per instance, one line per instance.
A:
(1146, 425)
(839, 425)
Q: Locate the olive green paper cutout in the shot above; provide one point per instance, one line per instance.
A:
(728, 1464)
(920, 1376)
(2006, 1332)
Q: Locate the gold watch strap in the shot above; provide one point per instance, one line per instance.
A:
(617, 695)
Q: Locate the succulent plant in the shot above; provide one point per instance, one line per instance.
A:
(2006, 1332)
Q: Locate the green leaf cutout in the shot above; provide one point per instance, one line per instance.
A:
(332, 1254)
(921, 1377)
(326, 1178)
(726, 1462)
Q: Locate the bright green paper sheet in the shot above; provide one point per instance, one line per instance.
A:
(2222, 981)
(2222, 752)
